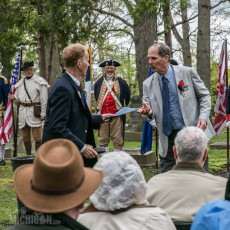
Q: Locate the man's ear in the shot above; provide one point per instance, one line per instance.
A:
(79, 63)
(174, 153)
(167, 58)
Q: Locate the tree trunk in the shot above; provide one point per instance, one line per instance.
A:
(145, 33)
(5, 58)
(167, 24)
(185, 28)
(203, 41)
(41, 42)
(42, 54)
(53, 63)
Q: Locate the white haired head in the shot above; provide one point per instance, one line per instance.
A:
(190, 144)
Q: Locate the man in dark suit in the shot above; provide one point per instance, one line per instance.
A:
(68, 115)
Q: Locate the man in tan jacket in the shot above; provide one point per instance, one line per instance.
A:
(31, 90)
(184, 189)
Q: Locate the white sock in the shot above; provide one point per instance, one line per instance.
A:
(107, 149)
(2, 152)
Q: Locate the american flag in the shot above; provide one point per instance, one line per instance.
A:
(7, 127)
(221, 99)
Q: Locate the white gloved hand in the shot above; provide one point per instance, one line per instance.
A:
(228, 124)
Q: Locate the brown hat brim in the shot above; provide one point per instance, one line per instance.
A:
(55, 203)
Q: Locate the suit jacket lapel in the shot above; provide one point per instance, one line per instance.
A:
(157, 90)
(178, 77)
(77, 89)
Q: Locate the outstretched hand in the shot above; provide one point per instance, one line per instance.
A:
(145, 109)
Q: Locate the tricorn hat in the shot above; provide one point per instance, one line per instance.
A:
(57, 180)
(27, 64)
(110, 62)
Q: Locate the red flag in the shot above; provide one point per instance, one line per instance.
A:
(221, 97)
(7, 128)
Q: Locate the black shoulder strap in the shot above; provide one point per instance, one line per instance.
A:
(26, 90)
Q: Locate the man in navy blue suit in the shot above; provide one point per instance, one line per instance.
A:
(68, 115)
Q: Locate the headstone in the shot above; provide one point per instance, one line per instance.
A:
(135, 117)
(148, 159)
(133, 136)
(8, 154)
(218, 145)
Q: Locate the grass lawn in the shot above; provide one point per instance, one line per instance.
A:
(8, 199)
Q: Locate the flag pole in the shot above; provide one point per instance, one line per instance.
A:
(15, 126)
(91, 71)
(88, 79)
(15, 138)
(227, 89)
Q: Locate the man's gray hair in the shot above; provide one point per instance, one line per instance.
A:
(190, 143)
(163, 49)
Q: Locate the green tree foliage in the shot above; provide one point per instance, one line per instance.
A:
(10, 35)
(38, 24)
(214, 78)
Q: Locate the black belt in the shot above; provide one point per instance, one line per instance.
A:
(29, 104)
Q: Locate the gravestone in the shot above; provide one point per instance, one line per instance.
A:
(148, 159)
(135, 117)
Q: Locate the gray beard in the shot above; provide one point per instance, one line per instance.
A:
(109, 76)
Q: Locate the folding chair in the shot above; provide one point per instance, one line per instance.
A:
(182, 225)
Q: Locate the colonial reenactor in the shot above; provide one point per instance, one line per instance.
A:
(31, 96)
(111, 93)
(4, 91)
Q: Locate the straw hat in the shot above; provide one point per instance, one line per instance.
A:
(57, 180)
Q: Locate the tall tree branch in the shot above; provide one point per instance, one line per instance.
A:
(129, 6)
(121, 30)
(114, 15)
(189, 19)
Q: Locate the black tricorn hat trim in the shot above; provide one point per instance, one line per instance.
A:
(110, 62)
